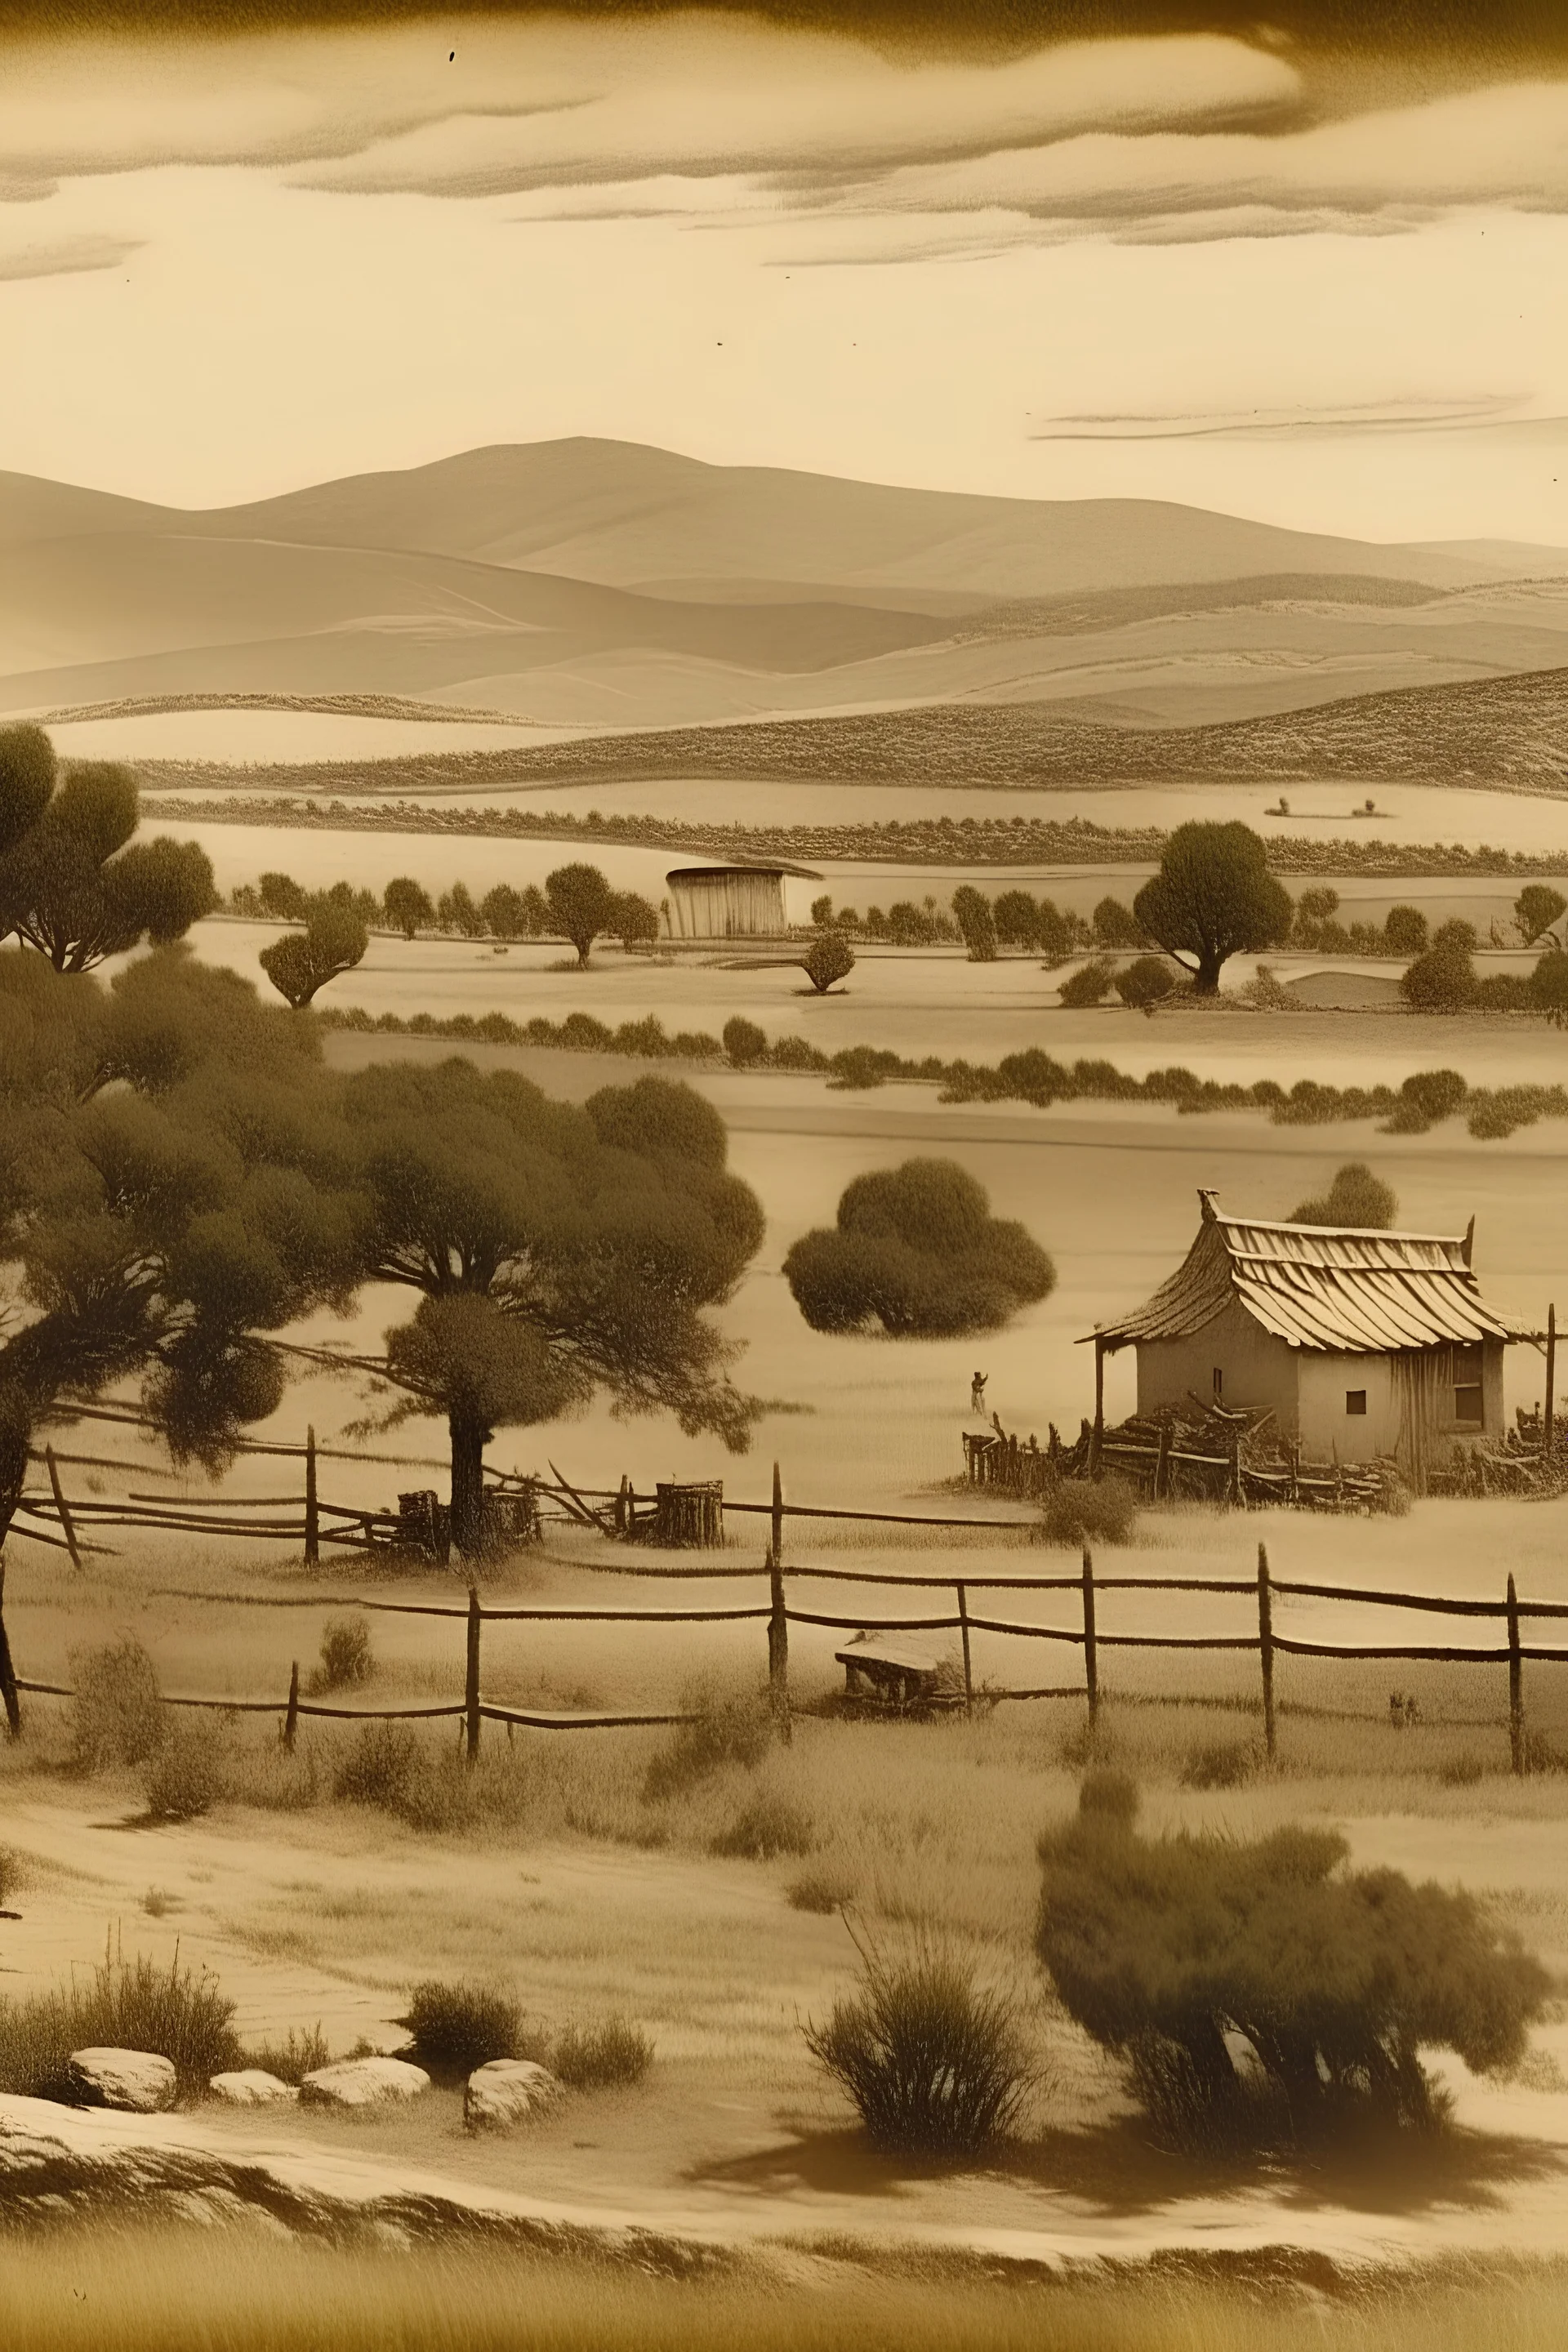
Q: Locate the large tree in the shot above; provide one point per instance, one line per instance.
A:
(556, 1250)
(74, 884)
(1213, 897)
(334, 941)
(582, 905)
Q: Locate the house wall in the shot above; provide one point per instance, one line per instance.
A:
(740, 905)
(1326, 1427)
(1260, 1369)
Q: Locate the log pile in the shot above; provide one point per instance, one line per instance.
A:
(1198, 1452)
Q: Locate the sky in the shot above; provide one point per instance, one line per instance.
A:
(1323, 290)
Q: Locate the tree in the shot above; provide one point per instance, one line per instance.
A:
(745, 1042)
(634, 921)
(1017, 919)
(282, 897)
(333, 941)
(976, 925)
(581, 904)
(556, 1250)
(505, 916)
(1443, 980)
(1536, 908)
(408, 906)
(1356, 1198)
(535, 912)
(1116, 926)
(1213, 897)
(160, 1228)
(456, 911)
(74, 884)
(1405, 932)
(916, 1249)
(829, 958)
(1549, 987)
(822, 912)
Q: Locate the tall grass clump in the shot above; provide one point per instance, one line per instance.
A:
(1262, 1995)
(769, 1823)
(299, 2053)
(1089, 1510)
(347, 1658)
(611, 2056)
(115, 1716)
(934, 2059)
(455, 2026)
(185, 1774)
(380, 1768)
(729, 1729)
(122, 2005)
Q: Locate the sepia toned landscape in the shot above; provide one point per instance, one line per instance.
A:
(783, 1050)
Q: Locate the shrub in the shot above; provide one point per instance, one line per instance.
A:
(346, 1655)
(745, 1042)
(1355, 1198)
(830, 959)
(1086, 1510)
(976, 924)
(1443, 980)
(1090, 984)
(184, 1773)
(123, 2005)
(602, 2057)
(769, 1823)
(916, 1249)
(1548, 987)
(1167, 1951)
(826, 1886)
(1220, 1764)
(734, 1729)
(115, 1717)
(1424, 1098)
(11, 1873)
(1116, 926)
(457, 2027)
(292, 2059)
(1405, 932)
(380, 1768)
(859, 1067)
(934, 2060)
(1146, 982)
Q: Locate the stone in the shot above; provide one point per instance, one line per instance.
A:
(251, 2086)
(136, 2080)
(363, 2082)
(508, 2092)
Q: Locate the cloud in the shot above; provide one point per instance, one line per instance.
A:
(64, 256)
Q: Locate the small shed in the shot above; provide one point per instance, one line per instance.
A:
(728, 902)
(1363, 1345)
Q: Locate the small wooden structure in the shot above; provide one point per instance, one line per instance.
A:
(890, 1670)
(425, 1524)
(728, 902)
(689, 1517)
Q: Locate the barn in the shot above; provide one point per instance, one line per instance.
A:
(1363, 1345)
(728, 902)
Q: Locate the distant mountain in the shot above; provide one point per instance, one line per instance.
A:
(603, 585)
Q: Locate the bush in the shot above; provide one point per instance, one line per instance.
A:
(115, 1717)
(1356, 1198)
(859, 1067)
(1405, 932)
(602, 2057)
(291, 2059)
(346, 1655)
(12, 1872)
(1220, 1764)
(1426, 1098)
(380, 1768)
(1116, 926)
(830, 959)
(935, 2061)
(745, 1042)
(1085, 1510)
(124, 2005)
(976, 924)
(736, 1730)
(1548, 986)
(916, 1249)
(1090, 984)
(184, 1773)
(826, 1886)
(457, 2027)
(1443, 980)
(1146, 981)
(1168, 1951)
(769, 1823)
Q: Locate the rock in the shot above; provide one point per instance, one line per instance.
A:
(362, 2082)
(251, 2086)
(506, 2092)
(134, 2079)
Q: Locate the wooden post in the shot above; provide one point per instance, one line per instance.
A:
(312, 1518)
(63, 1507)
(964, 1630)
(1097, 1440)
(471, 1684)
(778, 1517)
(1549, 1427)
(8, 1692)
(778, 1651)
(1266, 1647)
(1090, 1654)
(1233, 1478)
(292, 1719)
(1515, 1686)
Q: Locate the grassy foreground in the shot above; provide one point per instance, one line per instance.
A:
(217, 2289)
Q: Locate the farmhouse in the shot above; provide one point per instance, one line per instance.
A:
(728, 902)
(1363, 1345)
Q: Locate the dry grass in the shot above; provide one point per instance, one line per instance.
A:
(144, 2293)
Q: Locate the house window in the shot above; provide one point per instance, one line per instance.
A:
(1355, 1401)
(1218, 1384)
(1469, 1402)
